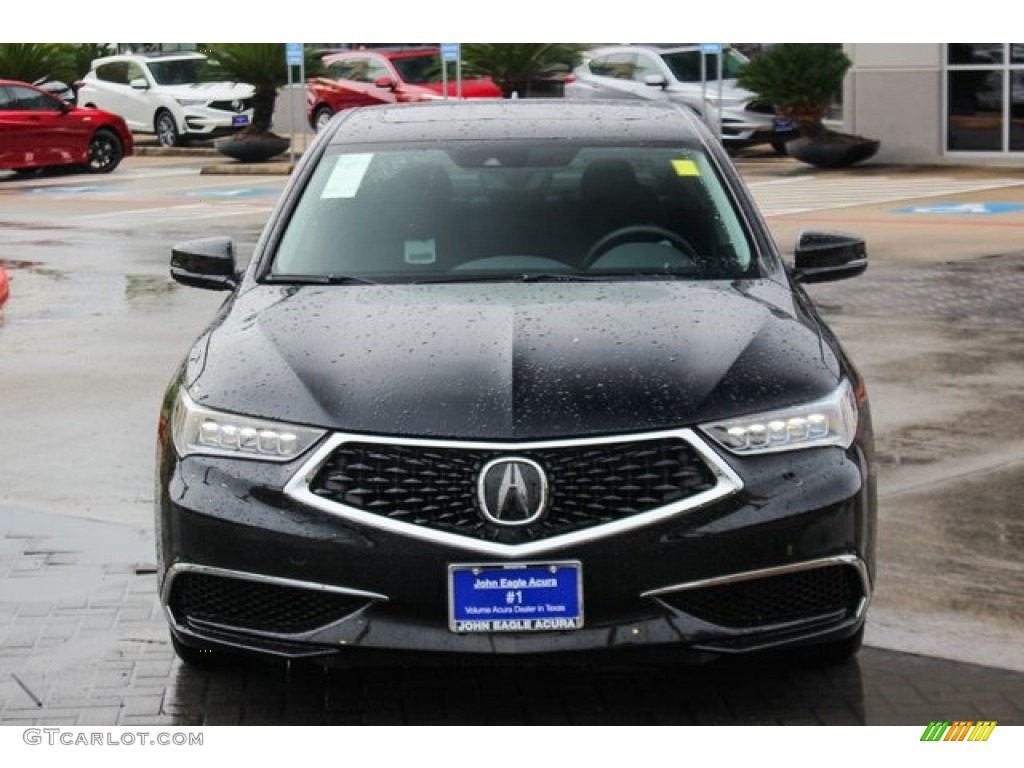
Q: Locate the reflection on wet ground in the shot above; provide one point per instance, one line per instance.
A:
(83, 641)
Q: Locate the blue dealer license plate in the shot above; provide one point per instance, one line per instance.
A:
(532, 597)
(239, 121)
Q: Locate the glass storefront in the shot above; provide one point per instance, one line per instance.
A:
(985, 97)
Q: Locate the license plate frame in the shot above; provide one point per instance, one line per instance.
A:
(515, 597)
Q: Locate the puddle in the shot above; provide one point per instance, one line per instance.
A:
(12, 264)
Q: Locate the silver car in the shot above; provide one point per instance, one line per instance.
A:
(674, 74)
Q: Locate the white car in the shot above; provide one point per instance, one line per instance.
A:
(674, 74)
(165, 94)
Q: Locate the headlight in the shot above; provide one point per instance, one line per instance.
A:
(191, 102)
(829, 421)
(199, 430)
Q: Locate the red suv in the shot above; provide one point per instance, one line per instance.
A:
(38, 130)
(369, 77)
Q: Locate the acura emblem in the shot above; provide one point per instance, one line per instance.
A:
(512, 491)
(238, 106)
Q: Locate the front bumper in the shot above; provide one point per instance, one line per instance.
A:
(204, 121)
(785, 560)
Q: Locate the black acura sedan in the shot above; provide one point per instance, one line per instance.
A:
(516, 378)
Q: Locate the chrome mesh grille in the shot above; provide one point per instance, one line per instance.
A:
(231, 106)
(779, 599)
(435, 487)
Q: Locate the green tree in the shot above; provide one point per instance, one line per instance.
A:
(513, 65)
(78, 58)
(262, 65)
(799, 79)
(30, 61)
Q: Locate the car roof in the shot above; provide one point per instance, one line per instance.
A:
(155, 56)
(657, 48)
(512, 119)
(385, 53)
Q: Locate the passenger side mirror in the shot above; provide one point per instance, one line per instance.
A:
(821, 257)
(386, 82)
(207, 263)
(139, 84)
(655, 81)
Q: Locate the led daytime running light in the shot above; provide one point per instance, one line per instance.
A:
(829, 421)
(199, 430)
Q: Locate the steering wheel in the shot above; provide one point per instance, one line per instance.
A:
(644, 233)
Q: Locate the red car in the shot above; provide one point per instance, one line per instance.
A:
(369, 77)
(38, 130)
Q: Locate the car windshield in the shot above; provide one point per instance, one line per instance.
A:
(685, 65)
(418, 69)
(178, 71)
(506, 211)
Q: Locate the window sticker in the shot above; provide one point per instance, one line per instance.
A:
(420, 251)
(685, 168)
(346, 176)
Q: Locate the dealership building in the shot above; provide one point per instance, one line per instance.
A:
(937, 102)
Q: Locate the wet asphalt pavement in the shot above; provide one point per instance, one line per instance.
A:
(94, 329)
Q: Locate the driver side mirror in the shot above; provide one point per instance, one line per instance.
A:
(208, 263)
(822, 257)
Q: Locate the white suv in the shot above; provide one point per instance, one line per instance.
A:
(164, 94)
(674, 74)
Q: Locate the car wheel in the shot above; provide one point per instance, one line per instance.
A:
(321, 118)
(105, 151)
(166, 129)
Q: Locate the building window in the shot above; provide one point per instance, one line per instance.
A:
(985, 97)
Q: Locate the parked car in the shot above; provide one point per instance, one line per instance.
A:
(39, 130)
(58, 88)
(370, 77)
(167, 94)
(515, 377)
(674, 74)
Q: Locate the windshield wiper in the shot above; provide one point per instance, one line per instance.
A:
(317, 280)
(527, 277)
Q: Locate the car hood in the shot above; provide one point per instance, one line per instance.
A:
(512, 361)
(212, 91)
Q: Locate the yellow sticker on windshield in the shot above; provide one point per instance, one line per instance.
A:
(685, 168)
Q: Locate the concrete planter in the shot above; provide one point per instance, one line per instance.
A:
(836, 150)
(252, 148)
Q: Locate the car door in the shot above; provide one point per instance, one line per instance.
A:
(351, 85)
(13, 131)
(611, 75)
(115, 93)
(36, 129)
(647, 78)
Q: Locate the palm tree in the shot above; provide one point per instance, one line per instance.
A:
(513, 65)
(263, 66)
(30, 61)
(800, 79)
